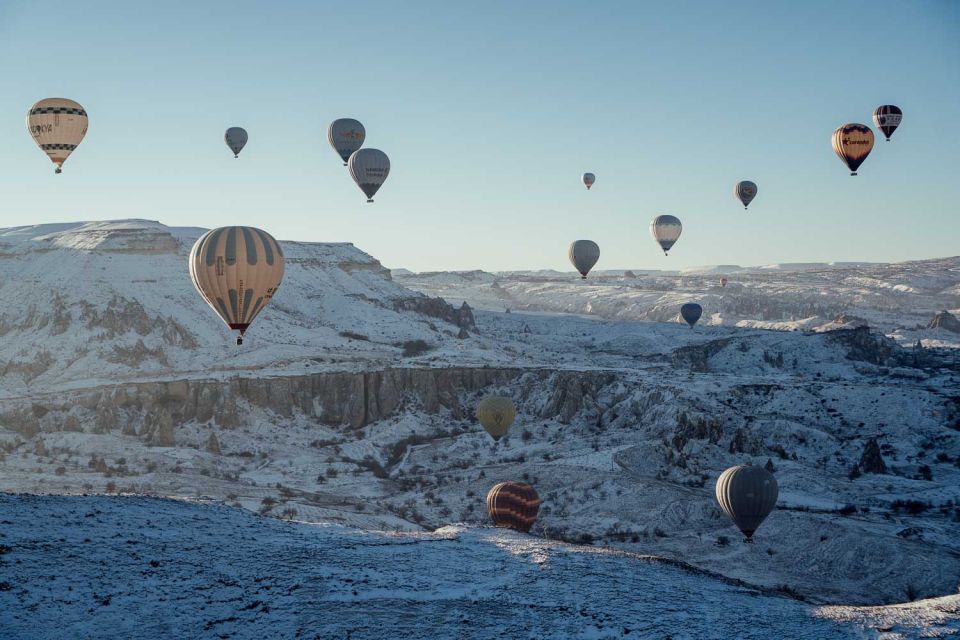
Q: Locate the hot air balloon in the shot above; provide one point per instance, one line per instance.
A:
(513, 505)
(887, 118)
(853, 142)
(237, 270)
(747, 494)
(346, 135)
(496, 414)
(369, 168)
(723, 281)
(691, 312)
(583, 254)
(588, 180)
(665, 230)
(745, 191)
(57, 126)
(236, 139)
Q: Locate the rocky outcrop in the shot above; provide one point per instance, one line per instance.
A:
(573, 392)
(439, 308)
(864, 346)
(154, 410)
(945, 320)
(872, 461)
(697, 356)
(213, 445)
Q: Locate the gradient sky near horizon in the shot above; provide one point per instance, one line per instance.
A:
(490, 112)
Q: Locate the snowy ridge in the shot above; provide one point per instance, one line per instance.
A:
(898, 299)
(113, 300)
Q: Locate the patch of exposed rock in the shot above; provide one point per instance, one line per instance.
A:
(439, 308)
(872, 461)
(945, 320)
(697, 356)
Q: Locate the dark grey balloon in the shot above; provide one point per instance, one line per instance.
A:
(584, 254)
(236, 138)
(747, 494)
(691, 312)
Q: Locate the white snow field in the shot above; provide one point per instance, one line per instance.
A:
(129, 567)
(351, 404)
(898, 299)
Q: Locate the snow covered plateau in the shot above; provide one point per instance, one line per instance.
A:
(346, 419)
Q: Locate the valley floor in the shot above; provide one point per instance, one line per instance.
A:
(121, 567)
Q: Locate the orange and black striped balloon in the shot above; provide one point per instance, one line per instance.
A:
(852, 143)
(513, 505)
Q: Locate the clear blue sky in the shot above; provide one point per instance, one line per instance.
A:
(490, 112)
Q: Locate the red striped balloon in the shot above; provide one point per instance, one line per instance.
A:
(513, 505)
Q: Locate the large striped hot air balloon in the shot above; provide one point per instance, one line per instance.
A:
(745, 191)
(747, 494)
(496, 414)
(369, 168)
(58, 126)
(513, 505)
(852, 143)
(237, 270)
(887, 118)
(236, 138)
(583, 254)
(666, 230)
(346, 135)
(588, 179)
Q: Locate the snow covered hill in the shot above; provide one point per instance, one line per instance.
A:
(134, 567)
(898, 299)
(88, 303)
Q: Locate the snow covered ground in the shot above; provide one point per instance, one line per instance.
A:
(898, 299)
(115, 377)
(138, 567)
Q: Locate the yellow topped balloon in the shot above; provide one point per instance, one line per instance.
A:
(496, 414)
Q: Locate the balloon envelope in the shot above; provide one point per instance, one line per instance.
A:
(513, 505)
(496, 414)
(57, 125)
(723, 281)
(691, 312)
(583, 254)
(346, 135)
(236, 139)
(745, 191)
(852, 143)
(369, 168)
(666, 230)
(588, 180)
(887, 118)
(237, 270)
(747, 494)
